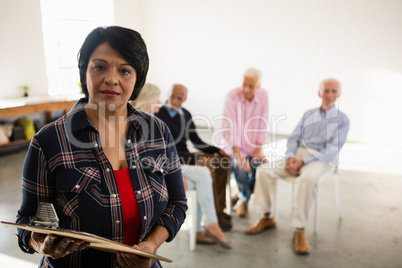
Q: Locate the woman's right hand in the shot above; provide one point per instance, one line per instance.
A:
(54, 246)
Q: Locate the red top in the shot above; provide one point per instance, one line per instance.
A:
(131, 211)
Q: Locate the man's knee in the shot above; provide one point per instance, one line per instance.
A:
(309, 179)
(264, 173)
(261, 173)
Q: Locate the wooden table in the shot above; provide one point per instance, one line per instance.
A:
(47, 107)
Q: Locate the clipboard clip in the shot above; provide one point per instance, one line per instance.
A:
(45, 216)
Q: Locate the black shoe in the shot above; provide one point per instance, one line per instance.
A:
(226, 228)
(225, 224)
(224, 215)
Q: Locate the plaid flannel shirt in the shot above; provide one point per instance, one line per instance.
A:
(65, 165)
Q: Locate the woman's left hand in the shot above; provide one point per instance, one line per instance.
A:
(130, 260)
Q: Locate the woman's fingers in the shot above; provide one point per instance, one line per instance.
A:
(75, 246)
(131, 260)
(37, 237)
(57, 247)
(84, 245)
(49, 244)
(121, 260)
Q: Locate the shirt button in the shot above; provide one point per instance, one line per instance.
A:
(128, 141)
(96, 145)
(133, 166)
(138, 192)
(108, 170)
(145, 218)
(114, 195)
(117, 222)
(77, 187)
(161, 170)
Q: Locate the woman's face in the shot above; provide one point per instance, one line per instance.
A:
(109, 78)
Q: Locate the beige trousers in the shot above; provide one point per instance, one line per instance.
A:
(306, 182)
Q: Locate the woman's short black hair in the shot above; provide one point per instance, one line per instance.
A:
(127, 42)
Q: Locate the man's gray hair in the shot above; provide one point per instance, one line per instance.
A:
(321, 88)
(253, 72)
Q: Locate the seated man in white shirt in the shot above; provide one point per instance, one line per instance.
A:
(311, 149)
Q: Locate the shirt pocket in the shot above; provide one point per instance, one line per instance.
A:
(75, 184)
(156, 171)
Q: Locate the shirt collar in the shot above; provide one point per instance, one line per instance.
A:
(255, 99)
(173, 113)
(79, 119)
(77, 116)
(333, 112)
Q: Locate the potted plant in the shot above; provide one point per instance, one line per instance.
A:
(25, 89)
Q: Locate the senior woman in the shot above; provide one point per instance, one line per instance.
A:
(148, 101)
(108, 169)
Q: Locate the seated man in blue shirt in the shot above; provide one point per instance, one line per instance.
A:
(181, 125)
(311, 150)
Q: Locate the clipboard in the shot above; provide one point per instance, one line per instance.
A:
(95, 241)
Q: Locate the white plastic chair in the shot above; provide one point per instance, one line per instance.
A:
(229, 193)
(330, 173)
(192, 220)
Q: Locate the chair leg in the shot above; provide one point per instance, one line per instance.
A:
(229, 194)
(275, 205)
(192, 200)
(338, 195)
(317, 201)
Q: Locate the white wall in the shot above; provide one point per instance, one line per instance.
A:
(206, 45)
(128, 13)
(22, 58)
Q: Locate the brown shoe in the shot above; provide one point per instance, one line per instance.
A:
(242, 211)
(225, 245)
(262, 224)
(300, 243)
(201, 239)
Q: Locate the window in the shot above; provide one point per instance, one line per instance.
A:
(65, 24)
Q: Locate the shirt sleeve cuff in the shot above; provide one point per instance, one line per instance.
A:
(289, 155)
(23, 242)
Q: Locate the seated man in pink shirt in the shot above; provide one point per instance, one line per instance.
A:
(244, 131)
